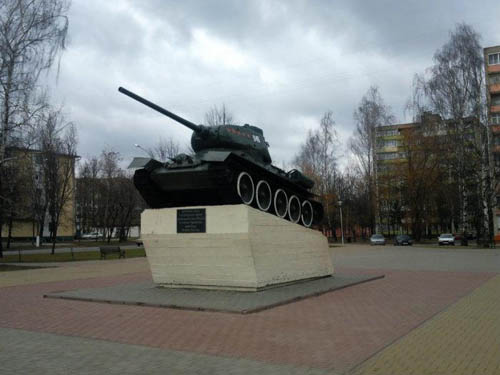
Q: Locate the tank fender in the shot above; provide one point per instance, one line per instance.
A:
(146, 163)
(215, 156)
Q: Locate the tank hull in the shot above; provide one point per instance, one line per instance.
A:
(213, 180)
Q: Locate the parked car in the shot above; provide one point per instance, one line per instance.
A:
(446, 239)
(377, 239)
(91, 236)
(403, 239)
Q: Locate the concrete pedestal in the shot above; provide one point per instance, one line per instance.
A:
(242, 249)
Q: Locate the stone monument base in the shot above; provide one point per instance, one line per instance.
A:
(241, 248)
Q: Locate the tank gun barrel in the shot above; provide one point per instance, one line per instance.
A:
(173, 116)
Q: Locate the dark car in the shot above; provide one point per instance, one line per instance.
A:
(403, 239)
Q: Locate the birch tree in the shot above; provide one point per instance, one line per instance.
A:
(371, 113)
(58, 141)
(454, 89)
(317, 159)
(32, 33)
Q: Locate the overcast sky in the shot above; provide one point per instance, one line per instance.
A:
(278, 65)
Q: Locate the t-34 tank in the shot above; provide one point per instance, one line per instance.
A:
(231, 165)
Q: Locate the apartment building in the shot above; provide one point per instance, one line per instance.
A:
(408, 152)
(20, 223)
(492, 71)
(390, 149)
(390, 157)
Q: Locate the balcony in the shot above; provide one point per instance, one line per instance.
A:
(494, 88)
(383, 148)
(493, 68)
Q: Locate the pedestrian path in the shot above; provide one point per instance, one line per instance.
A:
(463, 339)
(23, 352)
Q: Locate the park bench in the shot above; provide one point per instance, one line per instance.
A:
(105, 250)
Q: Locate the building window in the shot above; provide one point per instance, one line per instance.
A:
(388, 143)
(495, 100)
(495, 119)
(388, 133)
(494, 59)
(388, 156)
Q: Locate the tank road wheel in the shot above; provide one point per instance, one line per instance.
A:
(280, 203)
(245, 187)
(307, 214)
(263, 195)
(294, 209)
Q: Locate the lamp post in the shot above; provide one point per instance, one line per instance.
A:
(341, 225)
(141, 148)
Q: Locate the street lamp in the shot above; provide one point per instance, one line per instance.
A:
(341, 225)
(141, 148)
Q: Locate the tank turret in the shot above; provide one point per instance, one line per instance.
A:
(246, 138)
(231, 165)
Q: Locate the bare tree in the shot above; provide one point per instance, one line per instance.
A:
(58, 141)
(87, 194)
(107, 207)
(317, 159)
(130, 205)
(455, 90)
(370, 114)
(420, 177)
(164, 149)
(219, 116)
(31, 35)
(107, 199)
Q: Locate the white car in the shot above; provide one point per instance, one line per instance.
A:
(446, 239)
(91, 236)
(377, 239)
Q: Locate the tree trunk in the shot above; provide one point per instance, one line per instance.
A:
(41, 224)
(1, 242)
(53, 235)
(490, 190)
(9, 235)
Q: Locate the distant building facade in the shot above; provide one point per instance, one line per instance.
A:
(492, 71)
(21, 222)
(390, 155)
(395, 145)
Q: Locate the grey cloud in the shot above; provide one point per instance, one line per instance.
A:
(322, 54)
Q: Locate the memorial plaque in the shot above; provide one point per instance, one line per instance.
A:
(191, 220)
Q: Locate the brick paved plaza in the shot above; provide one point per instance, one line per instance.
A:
(437, 311)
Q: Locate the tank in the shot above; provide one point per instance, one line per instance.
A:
(231, 164)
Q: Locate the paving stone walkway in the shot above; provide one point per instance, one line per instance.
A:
(464, 339)
(23, 352)
(426, 317)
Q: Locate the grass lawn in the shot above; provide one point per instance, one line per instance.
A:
(68, 257)
(76, 243)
